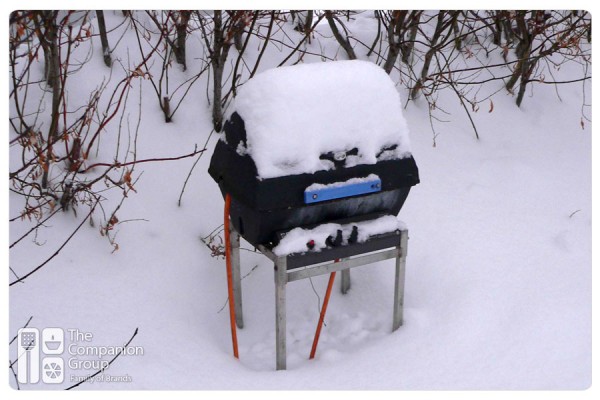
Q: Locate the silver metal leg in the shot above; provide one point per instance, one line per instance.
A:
(345, 281)
(236, 275)
(282, 277)
(399, 281)
(280, 312)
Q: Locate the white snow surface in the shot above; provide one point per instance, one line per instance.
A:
(294, 114)
(296, 239)
(498, 292)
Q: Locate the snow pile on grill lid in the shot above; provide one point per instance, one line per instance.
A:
(295, 241)
(295, 114)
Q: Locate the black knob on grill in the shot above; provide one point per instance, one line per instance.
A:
(353, 235)
(331, 242)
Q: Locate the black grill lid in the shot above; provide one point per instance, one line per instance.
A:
(237, 176)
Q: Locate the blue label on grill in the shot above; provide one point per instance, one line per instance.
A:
(318, 193)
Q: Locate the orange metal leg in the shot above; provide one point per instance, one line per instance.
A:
(322, 316)
(230, 276)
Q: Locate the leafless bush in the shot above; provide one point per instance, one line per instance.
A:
(218, 32)
(164, 25)
(62, 158)
(458, 51)
(61, 166)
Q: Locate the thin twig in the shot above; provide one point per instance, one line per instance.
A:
(34, 228)
(87, 378)
(24, 326)
(462, 103)
(264, 47)
(318, 297)
(192, 169)
(227, 301)
(573, 213)
(12, 363)
(119, 165)
(21, 279)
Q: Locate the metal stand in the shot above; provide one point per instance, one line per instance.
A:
(294, 267)
(234, 237)
(345, 281)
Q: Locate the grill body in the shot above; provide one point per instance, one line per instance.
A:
(262, 208)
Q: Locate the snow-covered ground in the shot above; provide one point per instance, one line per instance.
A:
(498, 282)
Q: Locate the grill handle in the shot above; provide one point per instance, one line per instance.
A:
(332, 192)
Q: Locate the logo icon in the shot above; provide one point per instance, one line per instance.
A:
(53, 370)
(53, 340)
(28, 365)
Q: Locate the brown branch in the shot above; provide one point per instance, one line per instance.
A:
(266, 42)
(241, 53)
(34, 228)
(338, 36)
(559, 82)
(21, 279)
(126, 85)
(12, 363)
(119, 165)
(87, 378)
(300, 42)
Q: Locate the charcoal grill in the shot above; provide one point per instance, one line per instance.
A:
(263, 209)
(348, 187)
